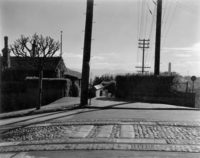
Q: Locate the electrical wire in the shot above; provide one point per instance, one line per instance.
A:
(170, 24)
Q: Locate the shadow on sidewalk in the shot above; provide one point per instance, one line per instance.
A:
(114, 106)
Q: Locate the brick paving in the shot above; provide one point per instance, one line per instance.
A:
(107, 135)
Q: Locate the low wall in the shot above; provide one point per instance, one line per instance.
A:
(23, 95)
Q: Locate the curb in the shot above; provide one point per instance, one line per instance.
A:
(34, 111)
(102, 146)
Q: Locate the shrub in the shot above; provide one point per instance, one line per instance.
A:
(130, 86)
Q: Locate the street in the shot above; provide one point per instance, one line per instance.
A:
(108, 125)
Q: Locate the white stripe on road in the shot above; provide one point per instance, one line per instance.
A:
(127, 131)
(105, 131)
(83, 131)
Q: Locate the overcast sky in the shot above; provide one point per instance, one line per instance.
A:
(118, 24)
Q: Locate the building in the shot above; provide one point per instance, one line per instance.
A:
(18, 68)
(19, 86)
(21, 67)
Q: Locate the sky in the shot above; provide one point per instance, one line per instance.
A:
(117, 26)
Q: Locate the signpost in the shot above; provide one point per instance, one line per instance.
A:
(193, 78)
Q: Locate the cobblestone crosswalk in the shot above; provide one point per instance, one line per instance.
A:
(156, 136)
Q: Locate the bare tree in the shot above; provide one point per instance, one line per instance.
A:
(36, 46)
(44, 46)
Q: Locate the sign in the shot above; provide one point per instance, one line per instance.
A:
(193, 78)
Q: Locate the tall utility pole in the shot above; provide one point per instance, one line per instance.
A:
(86, 53)
(144, 44)
(61, 43)
(158, 38)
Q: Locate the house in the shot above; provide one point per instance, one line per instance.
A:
(98, 90)
(21, 67)
(19, 84)
(18, 68)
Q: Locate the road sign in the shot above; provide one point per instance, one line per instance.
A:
(193, 78)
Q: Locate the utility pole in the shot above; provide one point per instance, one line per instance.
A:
(144, 44)
(158, 38)
(86, 53)
(61, 43)
(40, 69)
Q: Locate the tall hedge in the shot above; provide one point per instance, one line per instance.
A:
(131, 86)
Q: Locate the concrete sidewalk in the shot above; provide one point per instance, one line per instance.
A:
(96, 103)
(59, 105)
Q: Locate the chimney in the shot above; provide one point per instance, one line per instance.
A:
(169, 69)
(33, 48)
(6, 54)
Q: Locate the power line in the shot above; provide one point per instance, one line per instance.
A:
(170, 24)
(153, 17)
(141, 24)
(149, 53)
(138, 29)
(146, 22)
(145, 28)
(142, 20)
(167, 15)
(138, 19)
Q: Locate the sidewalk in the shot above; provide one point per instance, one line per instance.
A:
(96, 103)
(59, 105)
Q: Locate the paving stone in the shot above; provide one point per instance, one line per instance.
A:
(142, 135)
(83, 131)
(143, 141)
(39, 125)
(111, 146)
(9, 143)
(142, 147)
(105, 131)
(148, 123)
(127, 131)
(121, 146)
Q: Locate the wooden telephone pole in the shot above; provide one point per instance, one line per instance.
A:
(86, 53)
(158, 38)
(144, 44)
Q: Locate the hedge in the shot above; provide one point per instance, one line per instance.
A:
(130, 86)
